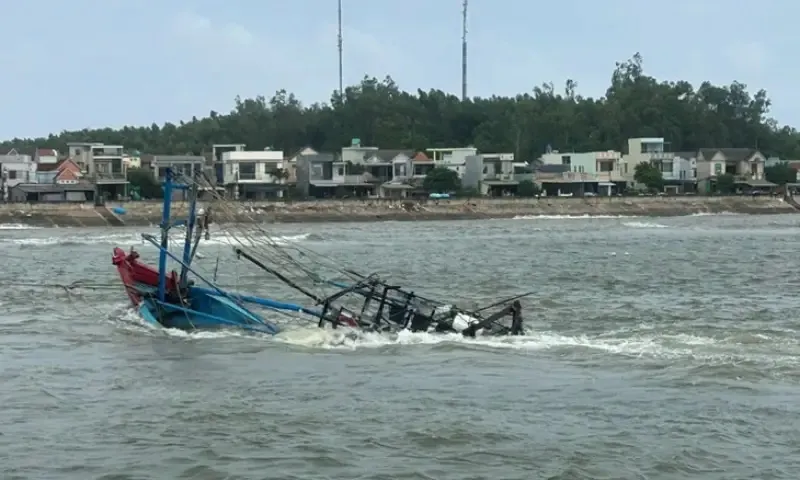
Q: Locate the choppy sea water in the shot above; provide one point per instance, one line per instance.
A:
(659, 349)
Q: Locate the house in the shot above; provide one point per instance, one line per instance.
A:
(745, 164)
(16, 168)
(558, 180)
(356, 153)
(104, 165)
(421, 165)
(51, 193)
(408, 171)
(217, 166)
(45, 156)
(291, 162)
(65, 172)
(383, 165)
(188, 165)
(254, 175)
(324, 175)
(652, 150)
(680, 173)
(453, 158)
(602, 171)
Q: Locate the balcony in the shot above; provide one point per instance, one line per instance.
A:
(508, 177)
(107, 153)
(103, 178)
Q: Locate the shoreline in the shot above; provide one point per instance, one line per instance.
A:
(147, 214)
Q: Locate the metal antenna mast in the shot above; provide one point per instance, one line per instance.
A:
(464, 54)
(341, 92)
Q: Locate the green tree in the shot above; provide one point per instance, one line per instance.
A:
(649, 176)
(381, 114)
(441, 180)
(780, 174)
(726, 184)
(141, 180)
(527, 188)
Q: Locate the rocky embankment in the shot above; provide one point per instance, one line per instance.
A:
(147, 213)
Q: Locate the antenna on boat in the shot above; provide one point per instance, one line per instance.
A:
(463, 53)
(341, 82)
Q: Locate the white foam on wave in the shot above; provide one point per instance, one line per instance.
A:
(708, 214)
(17, 226)
(641, 342)
(570, 217)
(135, 239)
(644, 225)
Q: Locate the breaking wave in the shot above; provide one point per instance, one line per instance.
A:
(16, 226)
(644, 225)
(127, 239)
(570, 217)
(641, 343)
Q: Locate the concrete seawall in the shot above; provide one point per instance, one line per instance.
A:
(149, 213)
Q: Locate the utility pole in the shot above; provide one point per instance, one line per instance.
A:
(463, 54)
(341, 87)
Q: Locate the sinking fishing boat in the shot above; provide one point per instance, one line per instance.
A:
(364, 302)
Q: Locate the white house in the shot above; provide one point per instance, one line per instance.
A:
(254, 174)
(16, 168)
(453, 158)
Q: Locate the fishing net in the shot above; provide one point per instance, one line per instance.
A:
(344, 295)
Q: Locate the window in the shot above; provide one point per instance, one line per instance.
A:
(12, 174)
(340, 171)
(566, 160)
(162, 172)
(247, 171)
(717, 169)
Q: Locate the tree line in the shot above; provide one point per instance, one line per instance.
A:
(380, 114)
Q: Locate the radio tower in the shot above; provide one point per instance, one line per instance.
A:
(341, 92)
(464, 54)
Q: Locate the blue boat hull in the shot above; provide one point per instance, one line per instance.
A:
(203, 311)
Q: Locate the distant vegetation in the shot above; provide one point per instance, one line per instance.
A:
(380, 114)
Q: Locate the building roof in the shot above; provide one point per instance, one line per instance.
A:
(733, 154)
(46, 152)
(421, 157)
(319, 157)
(387, 155)
(686, 155)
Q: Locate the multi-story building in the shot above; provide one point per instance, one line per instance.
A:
(15, 169)
(602, 172)
(653, 150)
(453, 158)
(103, 165)
(254, 175)
(745, 164)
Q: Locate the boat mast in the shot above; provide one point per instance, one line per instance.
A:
(165, 226)
(190, 225)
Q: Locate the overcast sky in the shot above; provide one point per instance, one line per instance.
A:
(92, 63)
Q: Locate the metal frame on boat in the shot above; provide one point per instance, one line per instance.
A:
(172, 300)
